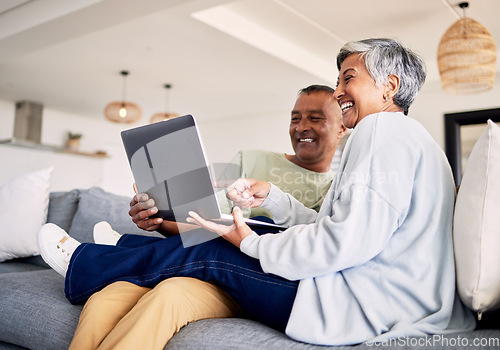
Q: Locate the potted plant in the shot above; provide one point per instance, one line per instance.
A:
(73, 141)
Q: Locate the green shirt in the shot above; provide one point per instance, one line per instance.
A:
(309, 187)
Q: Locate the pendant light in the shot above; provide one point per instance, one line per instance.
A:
(467, 57)
(158, 117)
(123, 111)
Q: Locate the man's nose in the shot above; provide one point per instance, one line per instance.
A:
(303, 125)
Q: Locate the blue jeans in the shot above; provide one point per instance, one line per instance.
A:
(146, 261)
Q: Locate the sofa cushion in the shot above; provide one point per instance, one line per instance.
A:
(477, 225)
(237, 333)
(20, 265)
(24, 204)
(97, 205)
(5, 346)
(35, 313)
(62, 208)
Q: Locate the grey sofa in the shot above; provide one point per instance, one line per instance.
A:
(34, 313)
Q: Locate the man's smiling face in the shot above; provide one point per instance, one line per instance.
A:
(314, 127)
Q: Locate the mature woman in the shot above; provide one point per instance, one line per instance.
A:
(376, 261)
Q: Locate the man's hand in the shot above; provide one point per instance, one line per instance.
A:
(234, 233)
(141, 209)
(248, 193)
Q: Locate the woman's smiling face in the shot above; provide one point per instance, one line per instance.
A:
(357, 93)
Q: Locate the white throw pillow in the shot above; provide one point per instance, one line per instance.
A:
(24, 202)
(477, 225)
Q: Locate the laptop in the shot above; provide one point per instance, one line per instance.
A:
(168, 163)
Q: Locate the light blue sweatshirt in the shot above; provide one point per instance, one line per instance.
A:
(377, 261)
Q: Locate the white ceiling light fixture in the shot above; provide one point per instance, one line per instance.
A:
(158, 117)
(467, 57)
(123, 111)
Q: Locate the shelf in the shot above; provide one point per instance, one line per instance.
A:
(51, 148)
(98, 154)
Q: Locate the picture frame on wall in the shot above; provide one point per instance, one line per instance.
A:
(461, 133)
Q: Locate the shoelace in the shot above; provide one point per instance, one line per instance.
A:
(67, 246)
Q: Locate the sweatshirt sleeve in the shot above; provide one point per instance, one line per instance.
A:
(360, 225)
(230, 173)
(287, 211)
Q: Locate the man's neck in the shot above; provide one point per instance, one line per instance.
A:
(319, 167)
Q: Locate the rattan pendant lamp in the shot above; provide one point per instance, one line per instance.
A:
(158, 117)
(123, 111)
(467, 57)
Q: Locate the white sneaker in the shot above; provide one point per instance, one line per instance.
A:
(56, 247)
(104, 234)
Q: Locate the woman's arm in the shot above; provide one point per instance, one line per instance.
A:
(287, 210)
(361, 225)
(249, 193)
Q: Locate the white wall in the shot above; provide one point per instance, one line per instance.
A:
(70, 171)
(223, 138)
(432, 103)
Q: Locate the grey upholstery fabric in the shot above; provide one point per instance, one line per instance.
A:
(34, 260)
(19, 265)
(7, 346)
(226, 334)
(62, 208)
(97, 205)
(34, 312)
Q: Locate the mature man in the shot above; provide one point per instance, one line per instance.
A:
(128, 316)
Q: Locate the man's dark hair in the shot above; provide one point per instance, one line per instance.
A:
(311, 89)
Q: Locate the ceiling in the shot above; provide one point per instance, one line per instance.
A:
(224, 59)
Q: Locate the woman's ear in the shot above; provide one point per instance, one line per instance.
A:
(392, 85)
(342, 131)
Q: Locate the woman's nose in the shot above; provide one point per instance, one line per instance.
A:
(339, 92)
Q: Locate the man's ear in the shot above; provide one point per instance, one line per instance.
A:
(392, 85)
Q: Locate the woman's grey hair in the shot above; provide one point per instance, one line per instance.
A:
(384, 57)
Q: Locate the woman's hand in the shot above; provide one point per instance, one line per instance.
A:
(234, 233)
(248, 193)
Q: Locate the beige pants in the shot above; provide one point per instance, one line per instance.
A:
(126, 316)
